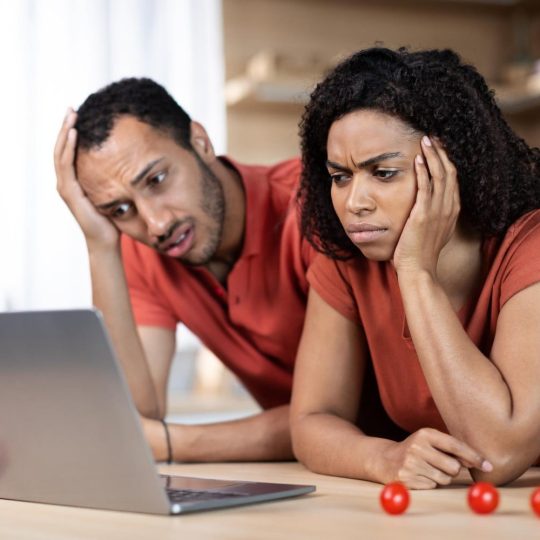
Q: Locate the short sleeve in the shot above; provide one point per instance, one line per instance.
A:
(522, 264)
(328, 279)
(148, 308)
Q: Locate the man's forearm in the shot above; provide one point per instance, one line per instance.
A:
(111, 297)
(262, 437)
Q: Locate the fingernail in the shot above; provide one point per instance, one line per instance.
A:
(486, 466)
(426, 141)
(419, 159)
(68, 112)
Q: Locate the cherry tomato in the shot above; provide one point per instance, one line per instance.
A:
(483, 498)
(535, 501)
(394, 498)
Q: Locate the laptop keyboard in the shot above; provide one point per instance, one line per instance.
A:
(186, 495)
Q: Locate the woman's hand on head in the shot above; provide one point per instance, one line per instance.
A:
(97, 229)
(429, 458)
(434, 215)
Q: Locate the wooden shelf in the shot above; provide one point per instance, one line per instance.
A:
(517, 100)
(243, 93)
(290, 94)
(274, 81)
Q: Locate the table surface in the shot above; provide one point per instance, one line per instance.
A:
(340, 508)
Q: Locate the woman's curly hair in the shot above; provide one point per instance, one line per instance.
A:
(435, 93)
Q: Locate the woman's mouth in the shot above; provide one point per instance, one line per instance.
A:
(361, 233)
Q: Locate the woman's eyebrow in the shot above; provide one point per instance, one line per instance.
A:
(366, 163)
(376, 159)
(337, 166)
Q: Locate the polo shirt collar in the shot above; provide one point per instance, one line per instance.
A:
(257, 193)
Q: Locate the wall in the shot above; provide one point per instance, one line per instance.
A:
(489, 34)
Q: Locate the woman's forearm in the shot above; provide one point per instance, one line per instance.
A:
(469, 390)
(331, 445)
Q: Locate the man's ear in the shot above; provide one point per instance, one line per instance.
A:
(201, 143)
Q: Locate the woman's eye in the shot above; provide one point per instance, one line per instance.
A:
(156, 179)
(121, 211)
(339, 178)
(385, 174)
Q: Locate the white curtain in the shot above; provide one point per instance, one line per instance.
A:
(53, 53)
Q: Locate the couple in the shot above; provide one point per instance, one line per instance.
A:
(404, 287)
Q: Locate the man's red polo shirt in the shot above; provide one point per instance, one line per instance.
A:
(254, 324)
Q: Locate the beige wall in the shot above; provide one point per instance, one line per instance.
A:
(331, 27)
(326, 29)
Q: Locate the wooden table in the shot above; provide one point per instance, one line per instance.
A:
(339, 509)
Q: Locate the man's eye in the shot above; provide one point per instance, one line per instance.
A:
(156, 179)
(121, 211)
(385, 174)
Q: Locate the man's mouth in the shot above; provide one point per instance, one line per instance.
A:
(180, 240)
(180, 244)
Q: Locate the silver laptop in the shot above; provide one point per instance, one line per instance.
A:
(70, 434)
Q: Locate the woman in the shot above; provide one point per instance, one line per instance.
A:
(424, 204)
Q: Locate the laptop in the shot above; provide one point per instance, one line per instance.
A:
(70, 433)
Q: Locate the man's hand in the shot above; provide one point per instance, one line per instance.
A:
(429, 458)
(154, 432)
(262, 437)
(98, 230)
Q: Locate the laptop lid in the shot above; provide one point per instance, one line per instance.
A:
(69, 431)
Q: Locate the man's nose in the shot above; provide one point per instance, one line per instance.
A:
(360, 197)
(156, 219)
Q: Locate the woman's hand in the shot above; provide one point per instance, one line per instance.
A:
(429, 458)
(434, 215)
(98, 230)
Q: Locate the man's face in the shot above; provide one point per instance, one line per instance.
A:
(155, 191)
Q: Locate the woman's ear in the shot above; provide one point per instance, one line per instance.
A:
(201, 143)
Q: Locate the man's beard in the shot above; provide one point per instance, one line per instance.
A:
(213, 206)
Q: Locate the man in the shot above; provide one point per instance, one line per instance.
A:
(177, 234)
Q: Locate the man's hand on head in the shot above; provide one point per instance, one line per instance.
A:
(98, 230)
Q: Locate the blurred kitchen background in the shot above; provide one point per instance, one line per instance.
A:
(241, 67)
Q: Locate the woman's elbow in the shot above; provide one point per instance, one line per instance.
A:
(507, 467)
(305, 442)
(511, 450)
(298, 436)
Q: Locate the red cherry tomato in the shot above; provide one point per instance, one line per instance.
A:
(394, 498)
(483, 498)
(535, 501)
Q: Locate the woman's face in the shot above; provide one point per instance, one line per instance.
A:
(371, 162)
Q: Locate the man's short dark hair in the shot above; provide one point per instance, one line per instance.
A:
(142, 98)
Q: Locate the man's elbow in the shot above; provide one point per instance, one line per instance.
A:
(153, 412)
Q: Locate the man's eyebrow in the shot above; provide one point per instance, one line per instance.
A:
(109, 205)
(134, 182)
(145, 171)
